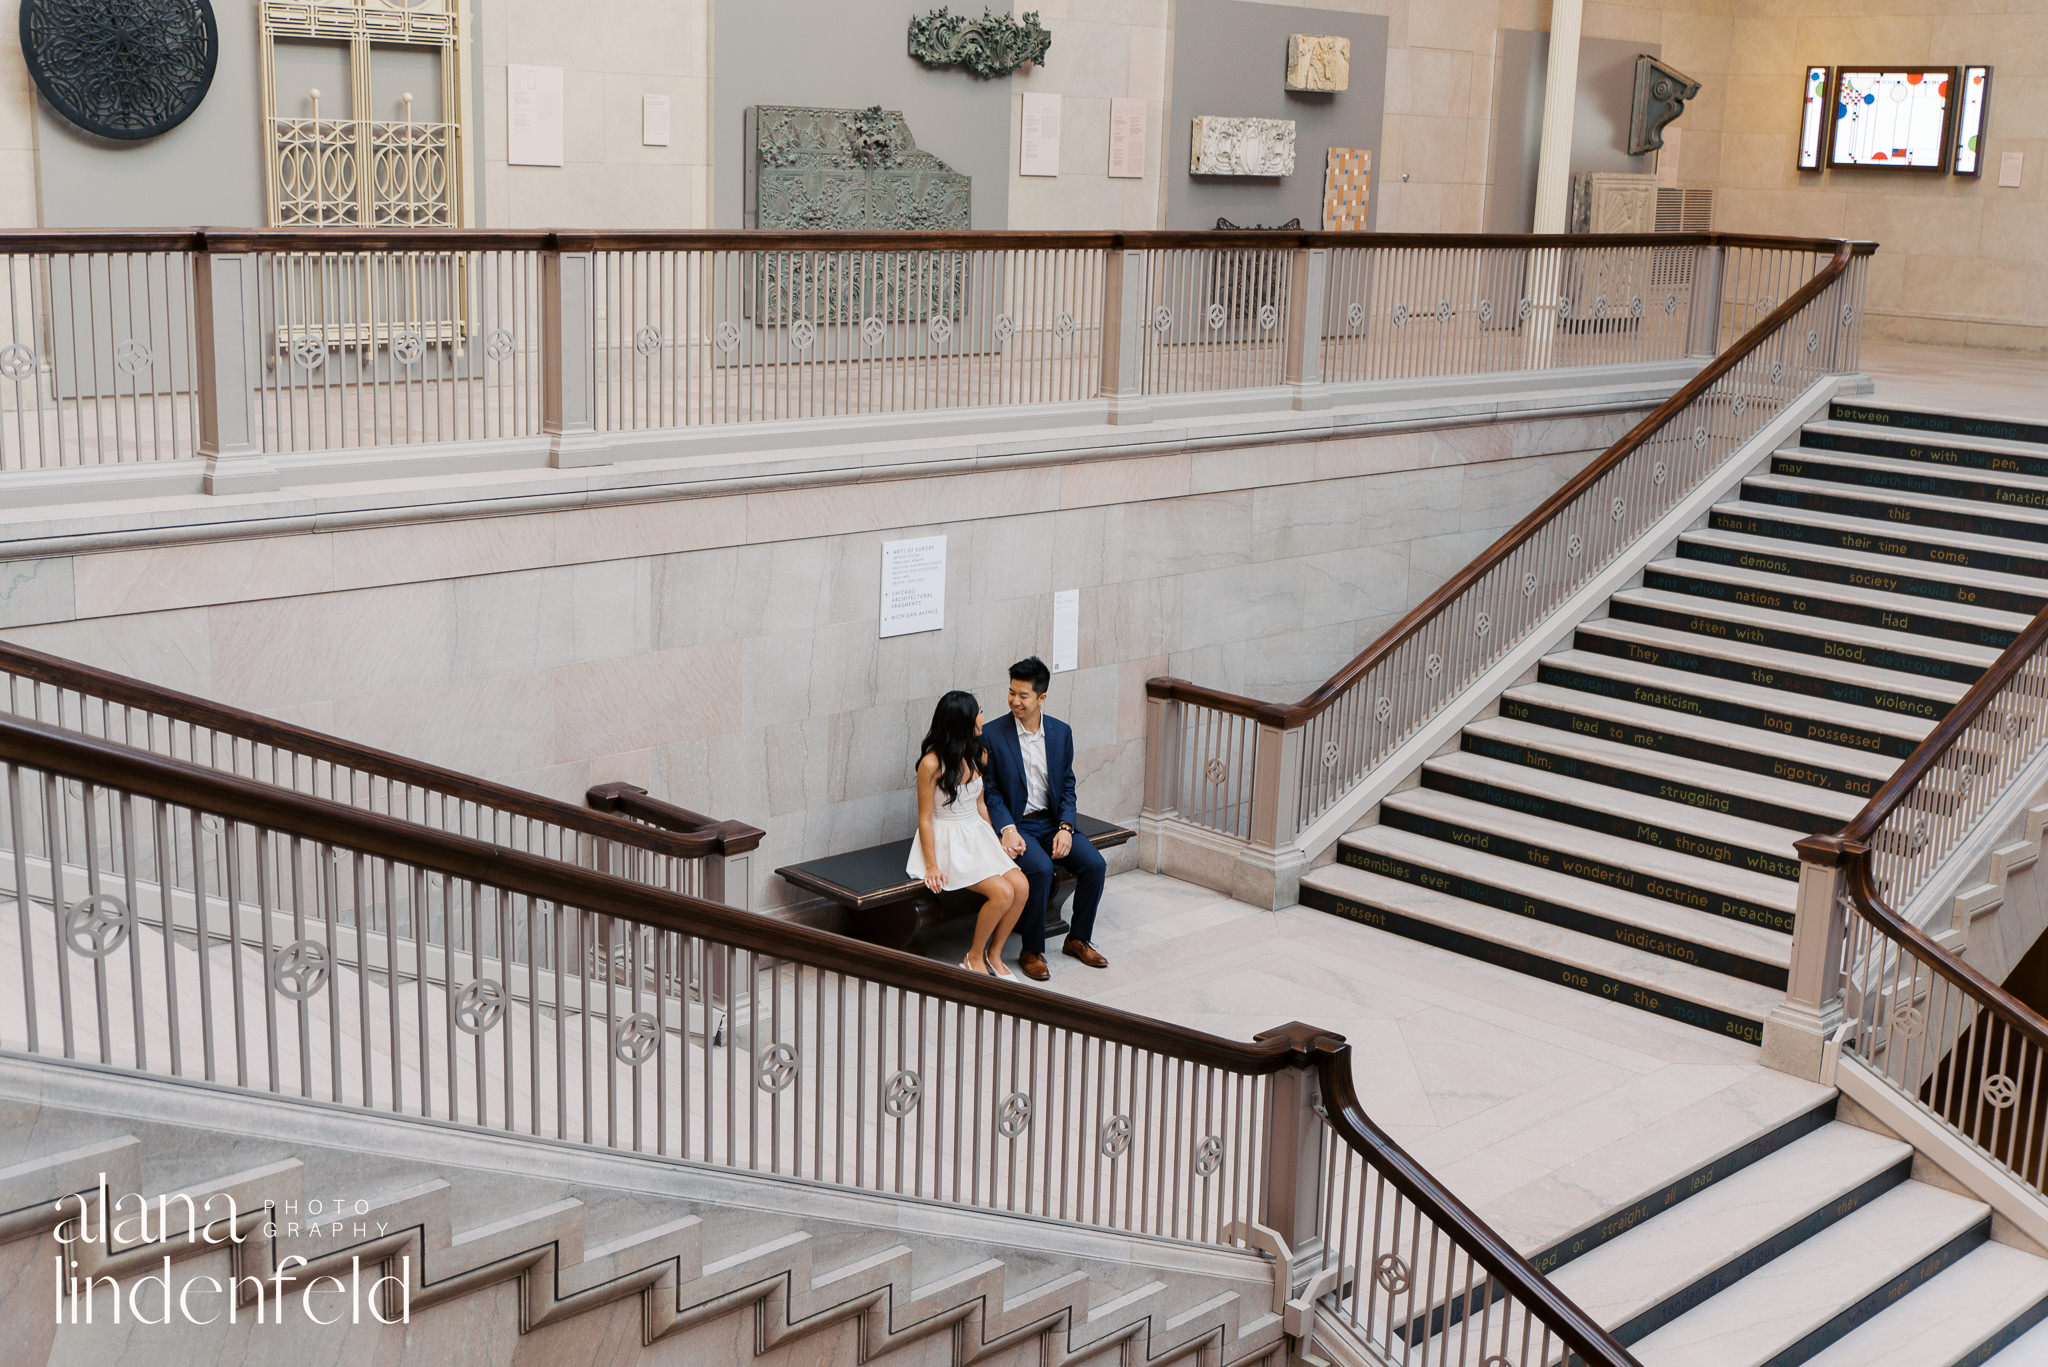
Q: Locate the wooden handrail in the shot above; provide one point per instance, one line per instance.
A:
(234, 721)
(1285, 715)
(632, 801)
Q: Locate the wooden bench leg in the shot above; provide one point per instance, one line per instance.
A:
(1056, 903)
(892, 927)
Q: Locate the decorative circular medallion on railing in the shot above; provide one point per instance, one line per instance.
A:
(902, 1093)
(871, 330)
(1482, 624)
(1063, 326)
(1574, 546)
(1848, 315)
(1354, 313)
(132, 356)
(941, 328)
(127, 71)
(2000, 1092)
(1916, 839)
(802, 333)
(1217, 315)
(1497, 1360)
(1812, 340)
(479, 1006)
(1699, 437)
(1767, 303)
(634, 1039)
(1739, 405)
(1432, 666)
(1400, 314)
(1528, 583)
(777, 1068)
(1659, 473)
(728, 335)
(1216, 771)
(647, 340)
(309, 353)
(1268, 315)
(2010, 725)
(1909, 1022)
(498, 345)
(1115, 1139)
(1331, 754)
(1618, 508)
(1635, 306)
(1391, 1273)
(1485, 310)
(211, 824)
(1670, 304)
(1162, 318)
(1524, 309)
(1564, 307)
(299, 969)
(98, 926)
(1013, 1117)
(1006, 328)
(1383, 709)
(1209, 1156)
(407, 347)
(1443, 310)
(1600, 306)
(1777, 372)
(17, 362)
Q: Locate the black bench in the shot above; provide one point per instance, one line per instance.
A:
(886, 906)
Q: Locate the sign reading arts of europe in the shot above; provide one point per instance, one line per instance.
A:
(1241, 146)
(861, 170)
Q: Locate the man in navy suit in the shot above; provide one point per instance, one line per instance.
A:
(1030, 795)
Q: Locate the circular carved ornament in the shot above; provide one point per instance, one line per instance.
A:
(122, 69)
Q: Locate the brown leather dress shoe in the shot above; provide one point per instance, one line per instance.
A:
(1034, 966)
(1086, 953)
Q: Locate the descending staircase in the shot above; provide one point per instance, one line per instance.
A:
(1624, 826)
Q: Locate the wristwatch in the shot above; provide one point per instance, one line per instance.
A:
(1067, 826)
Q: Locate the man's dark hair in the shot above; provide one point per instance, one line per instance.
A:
(1032, 670)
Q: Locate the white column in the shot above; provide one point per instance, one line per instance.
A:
(1560, 96)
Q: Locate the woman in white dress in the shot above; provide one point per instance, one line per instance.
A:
(955, 845)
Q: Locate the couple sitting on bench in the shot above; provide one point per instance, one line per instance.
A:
(1002, 837)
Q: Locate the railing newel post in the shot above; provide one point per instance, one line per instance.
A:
(1307, 305)
(1797, 1031)
(1703, 316)
(568, 402)
(224, 323)
(1123, 333)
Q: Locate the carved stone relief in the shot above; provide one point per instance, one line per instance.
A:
(1613, 202)
(1318, 62)
(1224, 146)
(993, 45)
(1661, 93)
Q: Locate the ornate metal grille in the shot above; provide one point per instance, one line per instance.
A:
(126, 69)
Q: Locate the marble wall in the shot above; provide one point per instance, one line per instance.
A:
(723, 650)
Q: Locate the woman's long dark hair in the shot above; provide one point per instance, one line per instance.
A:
(953, 740)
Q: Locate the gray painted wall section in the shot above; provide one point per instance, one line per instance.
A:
(1230, 58)
(1607, 82)
(828, 53)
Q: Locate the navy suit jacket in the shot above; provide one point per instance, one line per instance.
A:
(1005, 787)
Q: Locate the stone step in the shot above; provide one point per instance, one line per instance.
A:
(1770, 710)
(1963, 453)
(1844, 604)
(1897, 509)
(1967, 1314)
(1893, 416)
(1608, 861)
(1916, 477)
(1703, 1245)
(1880, 536)
(1629, 977)
(1786, 1311)
(1833, 767)
(1643, 821)
(1881, 690)
(1929, 580)
(1918, 656)
(1733, 792)
(2030, 1349)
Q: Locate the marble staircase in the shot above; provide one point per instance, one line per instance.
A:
(1623, 823)
(521, 1251)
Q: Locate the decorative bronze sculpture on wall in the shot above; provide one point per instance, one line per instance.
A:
(123, 69)
(993, 45)
(1661, 93)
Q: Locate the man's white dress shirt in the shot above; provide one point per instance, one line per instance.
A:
(1032, 743)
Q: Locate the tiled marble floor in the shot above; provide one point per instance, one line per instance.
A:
(2008, 384)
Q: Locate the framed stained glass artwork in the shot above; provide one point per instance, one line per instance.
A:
(1970, 120)
(1893, 118)
(1813, 121)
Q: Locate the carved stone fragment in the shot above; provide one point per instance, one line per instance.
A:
(1224, 146)
(1318, 62)
(993, 45)
(1661, 93)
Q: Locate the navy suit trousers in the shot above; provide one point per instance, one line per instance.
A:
(1083, 861)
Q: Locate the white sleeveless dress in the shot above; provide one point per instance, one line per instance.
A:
(964, 845)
